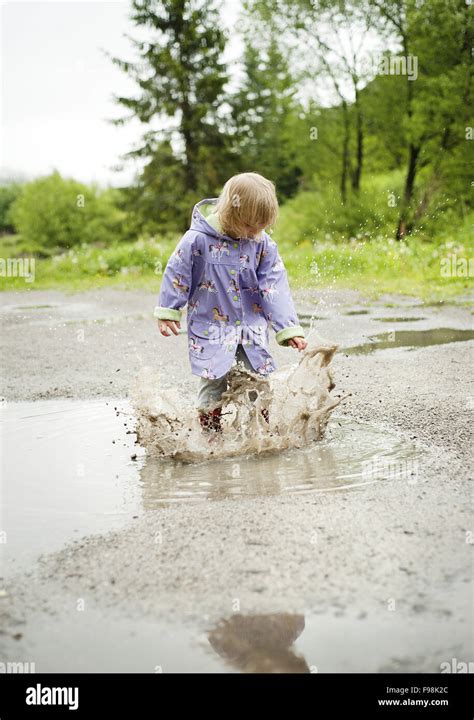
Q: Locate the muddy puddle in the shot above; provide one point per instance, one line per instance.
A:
(69, 472)
(351, 455)
(308, 319)
(280, 642)
(398, 319)
(70, 313)
(410, 339)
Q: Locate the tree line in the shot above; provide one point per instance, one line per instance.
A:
(314, 104)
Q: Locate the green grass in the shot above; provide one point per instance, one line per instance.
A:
(380, 265)
(324, 244)
(372, 265)
(127, 265)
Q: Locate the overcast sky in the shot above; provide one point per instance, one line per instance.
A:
(57, 86)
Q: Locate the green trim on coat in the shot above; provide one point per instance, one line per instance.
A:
(286, 334)
(163, 313)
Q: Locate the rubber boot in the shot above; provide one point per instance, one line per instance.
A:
(211, 421)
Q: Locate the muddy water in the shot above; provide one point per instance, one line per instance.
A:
(272, 642)
(70, 313)
(69, 472)
(398, 319)
(296, 400)
(351, 455)
(411, 339)
(66, 472)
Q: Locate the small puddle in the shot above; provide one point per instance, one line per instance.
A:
(110, 320)
(70, 313)
(70, 472)
(34, 307)
(311, 316)
(307, 320)
(397, 319)
(410, 339)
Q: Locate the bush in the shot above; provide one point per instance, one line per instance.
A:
(319, 216)
(62, 213)
(8, 194)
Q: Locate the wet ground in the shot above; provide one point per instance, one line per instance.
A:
(91, 344)
(77, 476)
(267, 642)
(351, 555)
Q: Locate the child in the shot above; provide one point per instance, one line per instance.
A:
(230, 274)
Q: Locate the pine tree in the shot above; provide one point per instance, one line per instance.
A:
(181, 78)
(262, 109)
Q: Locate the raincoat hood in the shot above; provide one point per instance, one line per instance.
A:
(204, 218)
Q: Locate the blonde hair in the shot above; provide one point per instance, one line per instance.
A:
(246, 199)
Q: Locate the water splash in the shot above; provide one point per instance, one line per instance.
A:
(297, 398)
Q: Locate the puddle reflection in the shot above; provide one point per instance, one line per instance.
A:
(340, 461)
(260, 643)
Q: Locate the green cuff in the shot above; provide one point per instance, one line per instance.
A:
(287, 333)
(163, 313)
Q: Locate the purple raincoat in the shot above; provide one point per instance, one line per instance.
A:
(233, 290)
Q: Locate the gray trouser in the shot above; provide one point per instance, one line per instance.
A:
(210, 391)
